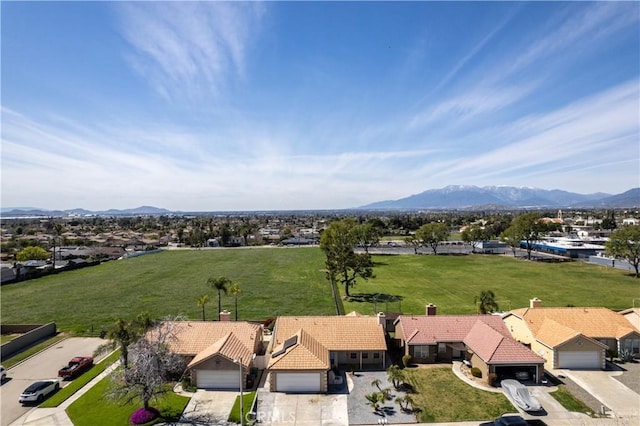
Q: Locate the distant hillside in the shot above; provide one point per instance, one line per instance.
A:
(469, 196)
(143, 210)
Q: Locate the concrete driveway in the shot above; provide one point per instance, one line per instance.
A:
(43, 365)
(279, 409)
(209, 407)
(622, 401)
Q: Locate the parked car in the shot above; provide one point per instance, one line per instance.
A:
(519, 394)
(510, 421)
(38, 390)
(3, 373)
(76, 366)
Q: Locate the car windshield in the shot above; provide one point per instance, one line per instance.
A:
(35, 387)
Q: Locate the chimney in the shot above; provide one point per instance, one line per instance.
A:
(535, 303)
(382, 320)
(225, 316)
(431, 310)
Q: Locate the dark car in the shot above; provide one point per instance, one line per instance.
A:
(510, 421)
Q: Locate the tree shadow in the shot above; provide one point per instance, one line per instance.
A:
(375, 297)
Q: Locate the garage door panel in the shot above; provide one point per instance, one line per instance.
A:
(218, 379)
(298, 382)
(579, 360)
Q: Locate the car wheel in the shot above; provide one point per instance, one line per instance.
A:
(56, 387)
(40, 398)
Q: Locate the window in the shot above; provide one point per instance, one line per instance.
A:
(353, 355)
(376, 355)
(632, 345)
(421, 351)
(365, 355)
(442, 348)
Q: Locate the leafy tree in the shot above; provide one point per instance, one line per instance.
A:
(512, 238)
(202, 301)
(123, 333)
(474, 235)
(220, 284)
(32, 253)
(153, 365)
(366, 235)
(414, 242)
(486, 302)
(342, 263)
(432, 234)
(528, 228)
(624, 243)
(235, 291)
(374, 399)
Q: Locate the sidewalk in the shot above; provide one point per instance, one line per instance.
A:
(57, 416)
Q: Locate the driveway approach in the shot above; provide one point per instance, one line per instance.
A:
(43, 365)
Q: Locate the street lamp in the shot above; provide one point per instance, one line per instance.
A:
(239, 362)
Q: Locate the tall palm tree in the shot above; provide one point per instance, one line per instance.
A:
(220, 284)
(235, 291)
(203, 300)
(486, 302)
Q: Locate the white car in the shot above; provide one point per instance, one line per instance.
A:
(38, 390)
(3, 373)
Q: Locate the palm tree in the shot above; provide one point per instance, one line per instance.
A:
(219, 284)
(377, 384)
(486, 302)
(235, 291)
(121, 334)
(203, 300)
(395, 375)
(374, 399)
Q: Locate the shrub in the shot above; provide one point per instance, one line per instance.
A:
(142, 415)
(491, 378)
(406, 360)
(476, 372)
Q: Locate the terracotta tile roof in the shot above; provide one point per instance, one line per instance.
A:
(336, 333)
(429, 330)
(591, 322)
(229, 347)
(496, 348)
(306, 354)
(486, 335)
(193, 337)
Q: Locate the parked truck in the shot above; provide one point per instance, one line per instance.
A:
(76, 366)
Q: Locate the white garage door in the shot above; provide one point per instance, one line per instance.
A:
(298, 382)
(218, 379)
(587, 360)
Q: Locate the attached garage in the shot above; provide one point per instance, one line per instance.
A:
(299, 382)
(580, 360)
(217, 379)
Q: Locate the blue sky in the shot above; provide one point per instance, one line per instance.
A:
(297, 105)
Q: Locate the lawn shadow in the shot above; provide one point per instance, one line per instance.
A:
(375, 297)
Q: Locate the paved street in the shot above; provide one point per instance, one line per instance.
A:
(44, 365)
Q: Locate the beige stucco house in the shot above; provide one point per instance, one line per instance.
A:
(306, 350)
(572, 337)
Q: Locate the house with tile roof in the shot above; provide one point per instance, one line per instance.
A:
(214, 350)
(306, 351)
(572, 337)
(482, 341)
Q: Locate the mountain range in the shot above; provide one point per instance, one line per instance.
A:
(505, 197)
(457, 197)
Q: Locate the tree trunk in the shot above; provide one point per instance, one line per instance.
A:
(219, 305)
(236, 308)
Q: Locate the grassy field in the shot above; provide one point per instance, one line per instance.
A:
(569, 401)
(291, 281)
(442, 397)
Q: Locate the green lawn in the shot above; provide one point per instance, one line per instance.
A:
(442, 397)
(79, 382)
(291, 281)
(247, 398)
(94, 409)
(569, 401)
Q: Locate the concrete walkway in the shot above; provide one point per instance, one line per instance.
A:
(57, 416)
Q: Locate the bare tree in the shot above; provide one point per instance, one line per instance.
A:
(152, 365)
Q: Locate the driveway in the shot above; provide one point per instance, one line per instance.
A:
(209, 407)
(622, 401)
(43, 365)
(280, 409)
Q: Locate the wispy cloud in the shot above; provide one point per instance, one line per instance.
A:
(189, 50)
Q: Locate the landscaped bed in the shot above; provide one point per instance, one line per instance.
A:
(442, 397)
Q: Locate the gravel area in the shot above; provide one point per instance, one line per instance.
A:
(362, 414)
(630, 376)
